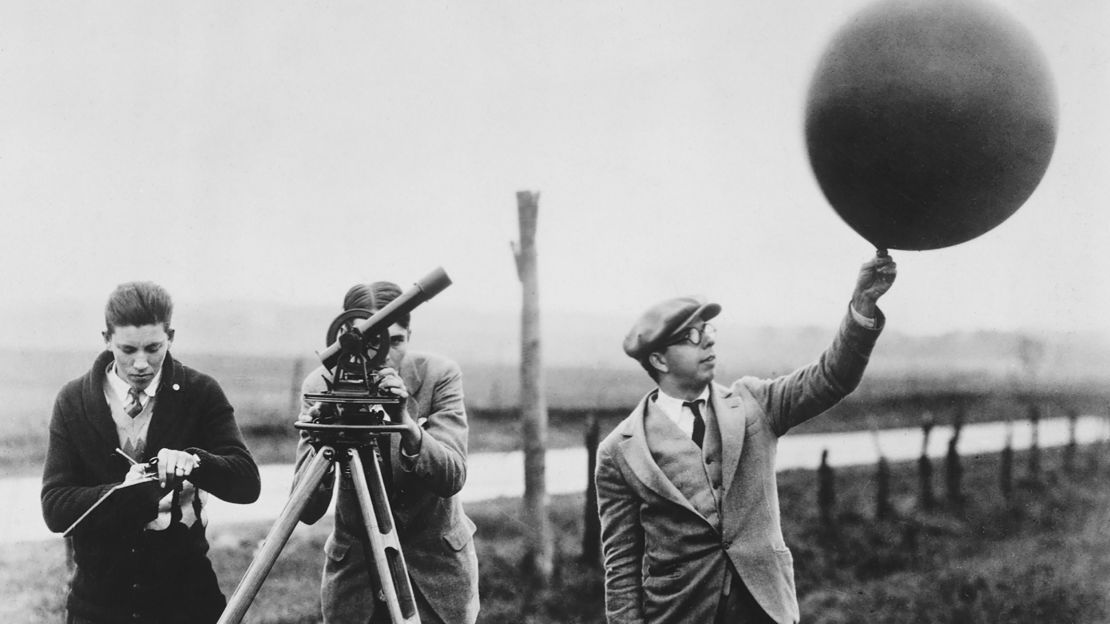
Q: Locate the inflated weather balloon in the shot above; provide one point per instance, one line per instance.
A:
(930, 122)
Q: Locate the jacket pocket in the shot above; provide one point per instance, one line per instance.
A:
(336, 551)
(460, 535)
(663, 572)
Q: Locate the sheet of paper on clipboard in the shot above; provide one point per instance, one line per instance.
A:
(148, 481)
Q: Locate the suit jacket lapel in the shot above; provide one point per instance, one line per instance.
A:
(732, 424)
(681, 461)
(635, 450)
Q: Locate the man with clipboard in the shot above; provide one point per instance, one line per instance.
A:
(136, 445)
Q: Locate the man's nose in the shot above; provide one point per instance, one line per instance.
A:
(140, 363)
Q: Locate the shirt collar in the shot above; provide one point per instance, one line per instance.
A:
(121, 387)
(672, 406)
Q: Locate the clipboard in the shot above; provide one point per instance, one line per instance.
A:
(148, 481)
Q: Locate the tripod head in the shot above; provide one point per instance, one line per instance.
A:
(353, 409)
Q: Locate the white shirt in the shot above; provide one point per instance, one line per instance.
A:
(680, 414)
(865, 321)
(121, 387)
(130, 430)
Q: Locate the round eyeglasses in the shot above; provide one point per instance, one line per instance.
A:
(694, 335)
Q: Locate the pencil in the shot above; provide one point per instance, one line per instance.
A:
(126, 456)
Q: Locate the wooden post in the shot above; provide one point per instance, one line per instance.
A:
(925, 465)
(882, 479)
(953, 471)
(1035, 443)
(826, 490)
(538, 560)
(883, 507)
(1006, 465)
(591, 522)
(1072, 447)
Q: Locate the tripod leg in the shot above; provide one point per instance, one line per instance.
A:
(277, 537)
(393, 574)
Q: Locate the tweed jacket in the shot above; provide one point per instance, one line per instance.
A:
(672, 518)
(124, 571)
(435, 533)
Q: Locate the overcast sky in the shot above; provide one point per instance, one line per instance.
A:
(275, 151)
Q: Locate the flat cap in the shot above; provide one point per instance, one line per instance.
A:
(663, 321)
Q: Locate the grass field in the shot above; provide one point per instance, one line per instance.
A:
(1041, 557)
(265, 392)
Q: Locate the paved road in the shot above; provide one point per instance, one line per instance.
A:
(498, 475)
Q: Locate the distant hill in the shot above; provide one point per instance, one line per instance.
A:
(578, 342)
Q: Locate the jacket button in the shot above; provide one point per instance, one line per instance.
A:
(727, 544)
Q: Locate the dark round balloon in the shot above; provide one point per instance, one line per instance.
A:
(930, 122)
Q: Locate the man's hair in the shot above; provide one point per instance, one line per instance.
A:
(375, 296)
(137, 304)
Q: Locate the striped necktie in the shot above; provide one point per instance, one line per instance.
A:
(134, 405)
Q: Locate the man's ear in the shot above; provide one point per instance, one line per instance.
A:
(107, 337)
(170, 333)
(657, 360)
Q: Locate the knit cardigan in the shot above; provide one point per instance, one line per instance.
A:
(126, 573)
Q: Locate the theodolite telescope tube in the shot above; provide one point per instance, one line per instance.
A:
(431, 285)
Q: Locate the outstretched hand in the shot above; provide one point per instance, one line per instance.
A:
(875, 278)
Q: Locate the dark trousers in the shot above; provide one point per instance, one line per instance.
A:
(739, 606)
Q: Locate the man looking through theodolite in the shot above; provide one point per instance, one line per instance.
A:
(427, 466)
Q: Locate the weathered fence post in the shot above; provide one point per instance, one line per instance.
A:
(882, 477)
(1006, 462)
(826, 490)
(538, 562)
(1073, 444)
(924, 464)
(1035, 443)
(953, 471)
(1100, 446)
(591, 522)
(882, 488)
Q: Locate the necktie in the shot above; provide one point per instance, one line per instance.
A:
(134, 406)
(699, 423)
